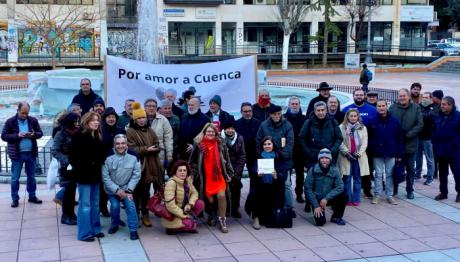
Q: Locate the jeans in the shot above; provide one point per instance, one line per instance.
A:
(425, 148)
(384, 165)
(338, 207)
(354, 193)
(89, 220)
(130, 212)
(28, 159)
(288, 200)
(60, 194)
(409, 165)
(444, 163)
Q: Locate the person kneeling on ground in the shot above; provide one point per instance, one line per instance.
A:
(324, 187)
(181, 200)
(121, 173)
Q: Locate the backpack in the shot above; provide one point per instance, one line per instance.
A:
(368, 75)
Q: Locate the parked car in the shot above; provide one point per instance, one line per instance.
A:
(455, 42)
(441, 49)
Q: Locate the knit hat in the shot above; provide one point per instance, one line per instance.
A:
(438, 94)
(138, 111)
(164, 102)
(109, 111)
(69, 120)
(216, 99)
(229, 123)
(99, 101)
(325, 153)
(274, 109)
(323, 86)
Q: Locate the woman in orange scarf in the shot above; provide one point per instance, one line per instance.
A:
(212, 170)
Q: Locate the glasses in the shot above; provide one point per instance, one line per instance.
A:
(247, 111)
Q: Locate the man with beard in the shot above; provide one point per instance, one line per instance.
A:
(324, 93)
(127, 114)
(86, 97)
(263, 105)
(171, 95)
(191, 124)
(333, 109)
(294, 116)
(247, 126)
(99, 106)
(415, 95)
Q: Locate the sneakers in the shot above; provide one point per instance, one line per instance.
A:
(256, 224)
(338, 221)
(68, 221)
(133, 235)
(375, 200)
(427, 183)
(392, 201)
(35, 200)
(410, 195)
(146, 220)
(223, 224)
(15, 203)
(441, 196)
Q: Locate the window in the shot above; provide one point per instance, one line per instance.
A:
(121, 10)
(414, 2)
(2, 1)
(56, 2)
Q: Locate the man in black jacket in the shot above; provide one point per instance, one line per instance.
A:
(324, 92)
(216, 114)
(86, 97)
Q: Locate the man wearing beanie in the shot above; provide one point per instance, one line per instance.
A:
(324, 187)
(86, 96)
(263, 105)
(283, 136)
(237, 152)
(324, 92)
(99, 106)
(216, 114)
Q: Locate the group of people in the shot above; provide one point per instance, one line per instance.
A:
(197, 159)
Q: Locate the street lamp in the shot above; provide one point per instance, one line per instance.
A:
(368, 59)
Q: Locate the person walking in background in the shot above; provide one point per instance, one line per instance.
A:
(212, 170)
(410, 116)
(352, 161)
(21, 133)
(386, 145)
(143, 140)
(181, 200)
(446, 145)
(86, 156)
(120, 174)
(365, 78)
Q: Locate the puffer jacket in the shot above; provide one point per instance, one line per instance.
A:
(121, 171)
(319, 185)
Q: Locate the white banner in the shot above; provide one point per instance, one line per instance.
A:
(234, 80)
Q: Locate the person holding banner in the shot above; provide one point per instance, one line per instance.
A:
(212, 171)
(143, 140)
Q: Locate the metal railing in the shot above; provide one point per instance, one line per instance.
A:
(388, 95)
(13, 85)
(41, 167)
(3, 55)
(43, 54)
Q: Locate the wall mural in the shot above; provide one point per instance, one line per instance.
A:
(122, 42)
(74, 42)
(3, 37)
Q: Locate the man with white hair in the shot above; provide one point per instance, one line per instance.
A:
(261, 109)
(171, 95)
(165, 108)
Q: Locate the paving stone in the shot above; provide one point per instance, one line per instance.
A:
(430, 256)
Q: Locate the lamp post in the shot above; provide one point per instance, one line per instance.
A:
(368, 59)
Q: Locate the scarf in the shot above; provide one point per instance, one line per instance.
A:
(229, 140)
(268, 155)
(352, 132)
(211, 157)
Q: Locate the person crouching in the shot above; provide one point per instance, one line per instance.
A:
(121, 173)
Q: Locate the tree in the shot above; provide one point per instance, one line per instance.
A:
(453, 10)
(290, 14)
(357, 11)
(57, 20)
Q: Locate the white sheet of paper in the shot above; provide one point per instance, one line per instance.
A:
(266, 166)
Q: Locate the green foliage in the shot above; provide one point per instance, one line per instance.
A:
(453, 10)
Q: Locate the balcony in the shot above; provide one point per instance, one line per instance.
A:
(195, 2)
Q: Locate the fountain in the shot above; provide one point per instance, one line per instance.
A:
(148, 49)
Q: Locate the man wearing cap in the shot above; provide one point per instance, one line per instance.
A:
(324, 93)
(263, 106)
(372, 98)
(86, 96)
(324, 187)
(415, 95)
(282, 133)
(166, 109)
(171, 95)
(216, 114)
(319, 131)
(237, 152)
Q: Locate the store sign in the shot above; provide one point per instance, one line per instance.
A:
(352, 61)
(206, 13)
(413, 13)
(174, 12)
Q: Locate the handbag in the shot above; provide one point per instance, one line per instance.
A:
(399, 175)
(280, 218)
(53, 173)
(157, 206)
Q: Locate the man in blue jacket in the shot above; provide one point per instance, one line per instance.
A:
(446, 145)
(21, 133)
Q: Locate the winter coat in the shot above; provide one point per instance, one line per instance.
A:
(108, 133)
(87, 155)
(278, 131)
(319, 185)
(297, 121)
(60, 150)
(339, 116)
(174, 122)
(446, 136)
(139, 139)
(121, 171)
(366, 111)
(197, 165)
(411, 121)
(365, 77)
(428, 113)
(311, 105)
(85, 101)
(385, 137)
(314, 137)
(177, 111)
(344, 163)
(124, 120)
(174, 200)
(237, 154)
(248, 129)
(190, 127)
(164, 133)
(261, 113)
(10, 134)
(223, 116)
